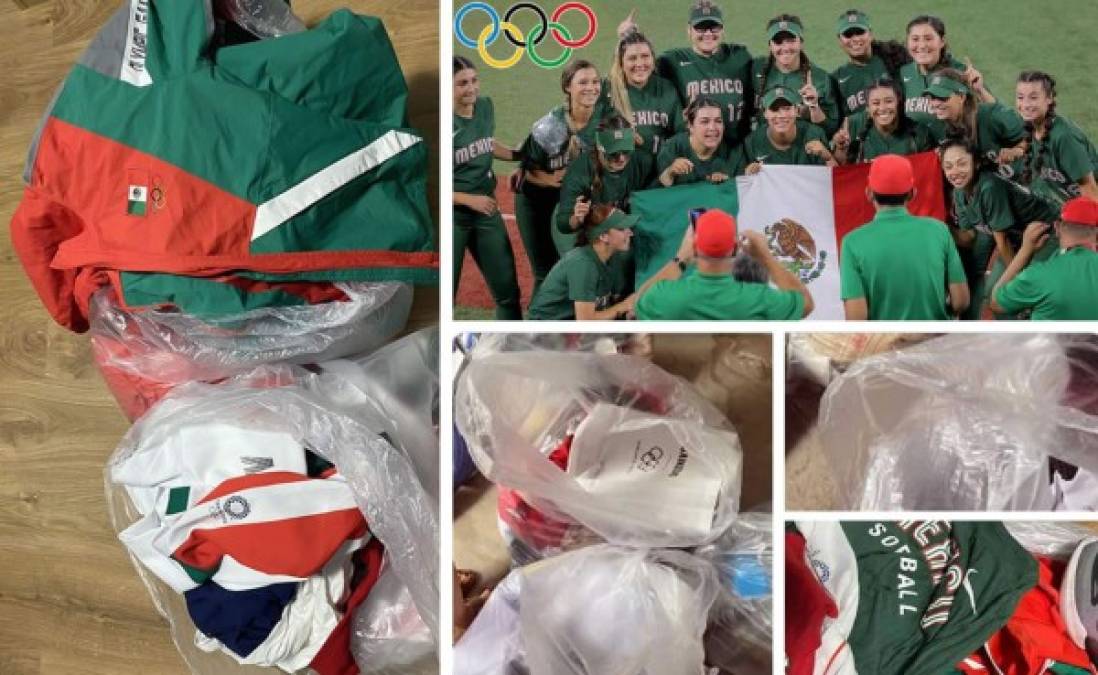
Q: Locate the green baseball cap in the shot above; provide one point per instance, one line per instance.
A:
(784, 27)
(780, 93)
(706, 14)
(618, 220)
(615, 140)
(854, 19)
(941, 86)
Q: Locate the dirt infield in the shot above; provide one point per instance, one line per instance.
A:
(472, 291)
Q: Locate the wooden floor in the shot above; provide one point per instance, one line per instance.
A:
(70, 601)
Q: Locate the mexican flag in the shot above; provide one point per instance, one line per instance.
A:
(823, 203)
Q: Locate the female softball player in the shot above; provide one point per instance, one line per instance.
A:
(709, 67)
(995, 130)
(788, 66)
(870, 60)
(785, 138)
(478, 225)
(637, 93)
(882, 128)
(590, 280)
(1060, 161)
(698, 154)
(572, 126)
(992, 212)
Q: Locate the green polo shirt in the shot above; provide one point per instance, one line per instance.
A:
(829, 102)
(1062, 288)
(724, 77)
(615, 186)
(717, 297)
(679, 146)
(657, 111)
(901, 264)
(907, 140)
(578, 277)
(535, 156)
(473, 139)
(758, 148)
(852, 79)
(916, 103)
(1059, 161)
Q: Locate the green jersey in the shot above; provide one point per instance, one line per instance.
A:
(537, 157)
(757, 147)
(717, 297)
(829, 103)
(1060, 160)
(679, 146)
(998, 205)
(616, 186)
(657, 111)
(580, 276)
(901, 264)
(917, 104)
(852, 79)
(1062, 288)
(473, 140)
(997, 127)
(868, 142)
(724, 77)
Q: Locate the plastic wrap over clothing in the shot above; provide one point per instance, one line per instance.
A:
(602, 610)
(608, 444)
(142, 355)
(963, 422)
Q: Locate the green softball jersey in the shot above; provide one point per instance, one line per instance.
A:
(1062, 288)
(908, 140)
(852, 79)
(998, 205)
(1059, 161)
(536, 157)
(757, 147)
(901, 264)
(717, 297)
(775, 78)
(657, 111)
(997, 127)
(616, 186)
(473, 140)
(916, 103)
(578, 277)
(722, 161)
(724, 77)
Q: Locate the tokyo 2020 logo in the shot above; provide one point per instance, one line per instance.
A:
(547, 25)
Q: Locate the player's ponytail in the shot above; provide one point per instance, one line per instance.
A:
(893, 54)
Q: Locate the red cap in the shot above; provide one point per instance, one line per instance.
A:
(715, 234)
(1080, 211)
(891, 175)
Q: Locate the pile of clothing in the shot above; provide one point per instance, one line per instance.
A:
(606, 466)
(923, 597)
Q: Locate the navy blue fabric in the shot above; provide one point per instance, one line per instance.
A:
(241, 620)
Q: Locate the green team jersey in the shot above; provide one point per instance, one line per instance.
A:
(757, 147)
(724, 77)
(997, 127)
(901, 264)
(578, 277)
(1062, 288)
(998, 205)
(657, 111)
(615, 186)
(536, 157)
(717, 297)
(829, 102)
(907, 140)
(473, 140)
(721, 161)
(852, 79)
(1060, 160)
(917, 104)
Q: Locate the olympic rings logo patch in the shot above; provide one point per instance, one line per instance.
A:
(548, 25)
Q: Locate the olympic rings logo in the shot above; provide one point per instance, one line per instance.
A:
(547, 25)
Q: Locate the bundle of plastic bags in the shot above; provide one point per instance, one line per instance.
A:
(967, 422)
(143, 354)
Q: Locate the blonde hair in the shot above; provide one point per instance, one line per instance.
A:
(619, 89)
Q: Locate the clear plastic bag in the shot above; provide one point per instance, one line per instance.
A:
(603, 610)
(381, 478)
(1048, 538)
(142, 355)
(607, 446)
(389, 637)
(962, 422)
(262, 18)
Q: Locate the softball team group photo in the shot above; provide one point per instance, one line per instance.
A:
(981, 200)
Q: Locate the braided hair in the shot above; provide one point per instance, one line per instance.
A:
(1035, 161)
(619, 88)
(612, 123)
(945, 57)
(805, 66)
(904, 124)
(566, 77)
